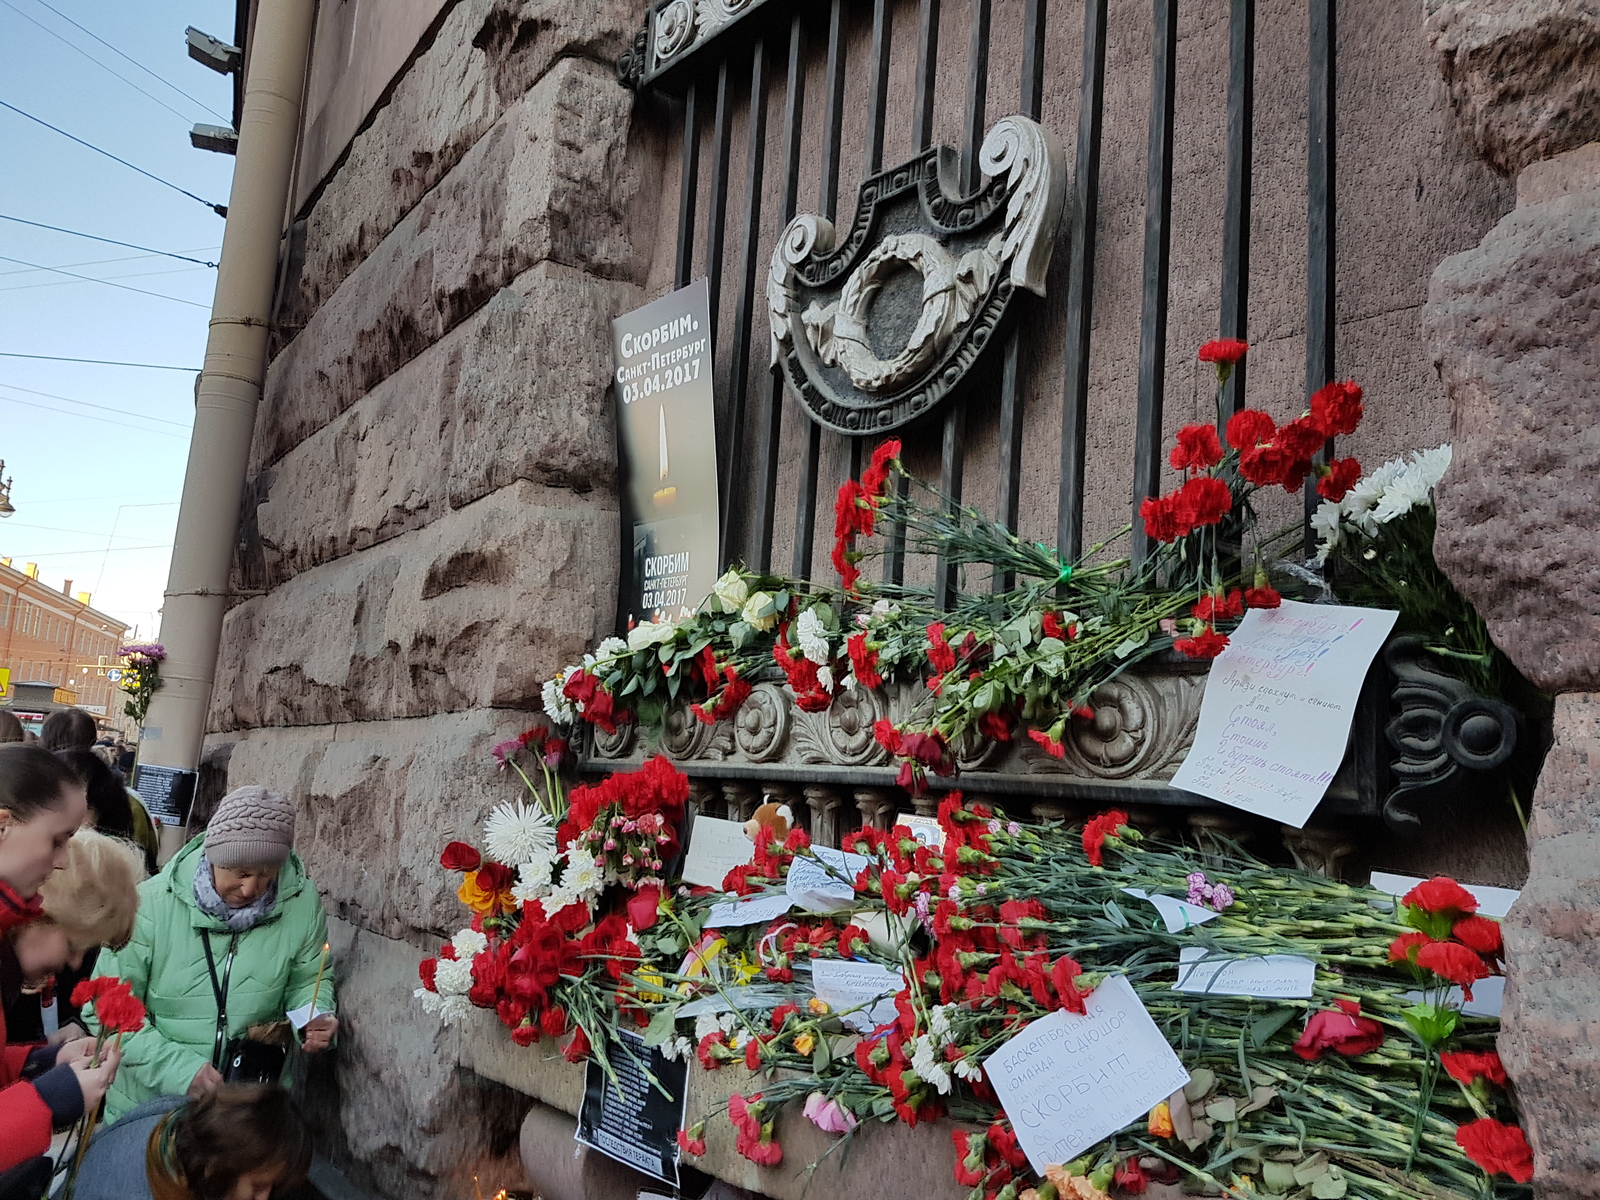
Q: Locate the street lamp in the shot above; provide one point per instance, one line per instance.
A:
(5, 492)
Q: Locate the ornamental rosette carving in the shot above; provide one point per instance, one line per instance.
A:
(761, 726)
(876, 324)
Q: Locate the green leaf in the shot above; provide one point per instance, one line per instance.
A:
(1201, 1081)
(1260, 1097)
(1331, 1186)
(1261, 1030)
(699, 644)
(1277, 1177)
(1115, 915)
(1312, 1169)
(630, 687)
(673, 682)
(740, 634)
(1431, 1023)
(665, 652)
(820, 1057)
(883, 1106)
(661, 1026)
(1224, 1111)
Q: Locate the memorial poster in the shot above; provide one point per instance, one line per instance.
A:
(631, 1120)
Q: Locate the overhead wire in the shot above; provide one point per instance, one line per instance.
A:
(104, 408)
(108, 283)
(116, 74)
(88, 416)
(23, 287)
(100, 362)
(162, 79)
(220, 209)
(109, 241)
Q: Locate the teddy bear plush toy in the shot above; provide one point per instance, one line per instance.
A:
(775, 818)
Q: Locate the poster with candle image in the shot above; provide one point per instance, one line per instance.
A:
(666, 430)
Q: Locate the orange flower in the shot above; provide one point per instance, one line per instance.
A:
(487, 891)
(1161, 1121)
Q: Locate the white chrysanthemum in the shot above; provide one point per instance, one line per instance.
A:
(561, 895)
(1434, 463)
(519, 833)
(453, 977)
(430, 1001)
(926, 1063)
(705, 1025)
(812, 637)
(454, 1009)
(1369, 488)
(1409, 489)
(556, 705)
(533, 881)
(968, 1070)
(939, 1024)
(1325, 522)
(582, 875)
(469, 943)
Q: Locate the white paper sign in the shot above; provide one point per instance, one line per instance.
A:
(1176, 914)
(815, 889)
(728, 913)
(1487, 996)
(1492, 901)
(926, 830)
(1270, 976)
(1278, 705)
(301, 1017)
(715, 848)
(862, 985)
(1069, 1081)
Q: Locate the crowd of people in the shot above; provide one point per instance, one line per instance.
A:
(225, 946)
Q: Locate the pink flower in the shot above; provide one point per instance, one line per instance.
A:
(827, 1115)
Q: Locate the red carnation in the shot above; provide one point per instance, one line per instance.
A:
(1107, 825)
(1048, 744)
(1224, 352)
(940, 655)
(886, 735)
(120, 1011)
(844, 563)
(1481, 933)
(1404, 948)
(1203, 500)
(876, 476)
(1262, 596)
(1336, 407)
(863, 660)
(853, 512)
(1269, 465)
(496, 877)
(690, 1144)
(1214, 606)
(1208, 643)
(1343, 1030)
(1197, 450)
(1249, 428)
(1465, 1066)
(458, 856)
(996, 726)
(1160, 517)
(578, 1048)
(1131, 1178)
(1458, 964)
(1441, 894)
(1302, 438)
(1497, 1148)
(1341, 477)
(426, 969)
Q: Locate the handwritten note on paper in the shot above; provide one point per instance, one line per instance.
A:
(715, 848)
(728, 913)
(1176, 914)
(1068, 1081)
(1278, 705)
(825, 883)
(867, 986)
(1270, 976)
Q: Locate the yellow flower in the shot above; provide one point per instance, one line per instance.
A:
(818, 1006)
(1161, 1121)
(482, 900)
(805, 1043)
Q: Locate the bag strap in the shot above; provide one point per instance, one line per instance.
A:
(220, 990)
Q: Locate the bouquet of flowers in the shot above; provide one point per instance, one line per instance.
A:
(141, 676)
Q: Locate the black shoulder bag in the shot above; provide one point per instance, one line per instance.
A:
(239, 1059)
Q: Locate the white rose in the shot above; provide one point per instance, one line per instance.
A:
(650, 633)
(731, 591)
(760, 611)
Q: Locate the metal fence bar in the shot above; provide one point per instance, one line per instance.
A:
(953, 454)
(1235, 322)
(688, 191)
(717, 214)
(1008, 490)
(733, 469)
(1157, 267)
(1321, 203)
(1084, 217)
(769, 449)
(805, 523)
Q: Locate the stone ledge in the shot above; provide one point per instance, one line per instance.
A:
(546, 182)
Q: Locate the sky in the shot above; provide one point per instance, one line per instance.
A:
(96, 490)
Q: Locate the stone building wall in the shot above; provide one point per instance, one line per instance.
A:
(431, 520)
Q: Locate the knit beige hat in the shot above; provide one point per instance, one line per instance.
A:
(252, 827)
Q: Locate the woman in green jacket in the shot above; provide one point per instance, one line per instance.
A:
(241, 891)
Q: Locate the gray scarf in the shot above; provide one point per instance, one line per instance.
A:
(236, 919)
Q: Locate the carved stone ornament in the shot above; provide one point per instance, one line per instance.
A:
(874, 330)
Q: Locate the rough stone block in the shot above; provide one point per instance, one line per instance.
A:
(546, 182)
(1514, 324)
(378, 800)
(1523, 75)
(485, 55)
(475, 610)
(515, 392)
(414, 1125)
(1551, 1036)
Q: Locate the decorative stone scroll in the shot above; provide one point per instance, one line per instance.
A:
(876, 327)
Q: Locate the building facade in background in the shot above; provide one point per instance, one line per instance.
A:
(431, 523)
(51, 635)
